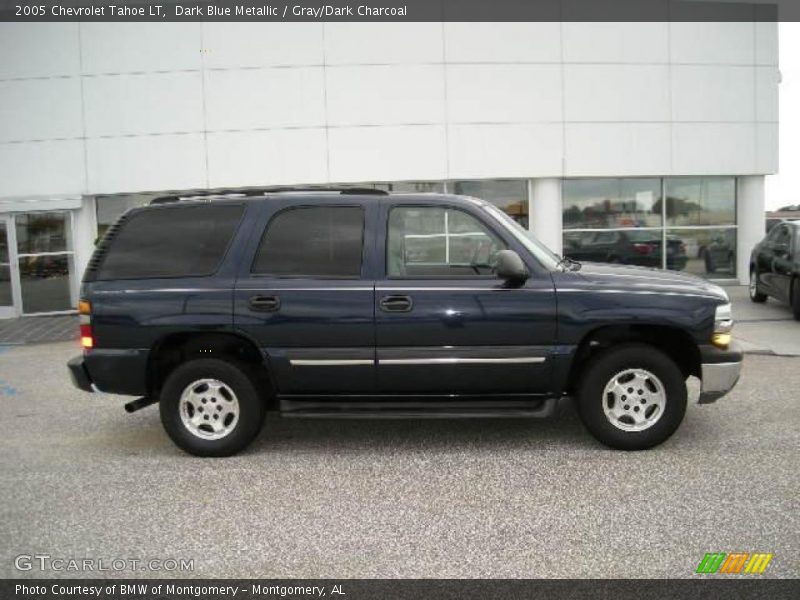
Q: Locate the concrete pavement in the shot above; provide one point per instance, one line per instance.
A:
(472, 498)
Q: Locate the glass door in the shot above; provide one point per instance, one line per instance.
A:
(7, 309)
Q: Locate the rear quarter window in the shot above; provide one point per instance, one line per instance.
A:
(176, 241)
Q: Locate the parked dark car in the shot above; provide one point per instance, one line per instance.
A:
(362, 304)
(775, 266)
(631, 247)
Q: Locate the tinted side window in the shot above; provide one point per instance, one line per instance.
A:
(171, 242)
(314, 241)
(439, 242)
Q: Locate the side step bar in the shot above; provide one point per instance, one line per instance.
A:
(404, 409)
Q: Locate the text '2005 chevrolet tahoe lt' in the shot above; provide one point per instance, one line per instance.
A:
(355, 303)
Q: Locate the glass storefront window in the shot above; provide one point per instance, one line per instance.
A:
(701, 201)
(43, 232)
(710, 252)
(509, 195)
(5, 269)
(625, 221)
(412, 187)
(611, 203)
(45, 283)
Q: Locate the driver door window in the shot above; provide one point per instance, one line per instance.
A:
(439, 242)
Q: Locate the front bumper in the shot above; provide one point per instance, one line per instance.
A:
(720, 370)
(79, 375)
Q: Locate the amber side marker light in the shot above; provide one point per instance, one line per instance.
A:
(85, 311)
(723, 324)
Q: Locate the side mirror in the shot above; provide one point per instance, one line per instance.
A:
(509, 266)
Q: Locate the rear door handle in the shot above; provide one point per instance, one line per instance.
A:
(265, 303)
(396, 303)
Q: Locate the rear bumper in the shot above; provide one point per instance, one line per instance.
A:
(720, 370)
(79, 375)
(111, 371)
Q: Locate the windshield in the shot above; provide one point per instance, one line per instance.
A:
(544, 255)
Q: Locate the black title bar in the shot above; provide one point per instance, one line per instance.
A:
(400, 10)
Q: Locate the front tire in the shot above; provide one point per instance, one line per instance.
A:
(211, 407)
(755, 295)
(632, 397)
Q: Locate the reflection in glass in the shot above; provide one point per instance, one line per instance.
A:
(5, 285)
(701, 200)
(640, 247)
(430, 242)
(412, 187)
(43, 232)
(45, 283)
(611, 203)
(5, 269)
(509, 195)
(711, 252)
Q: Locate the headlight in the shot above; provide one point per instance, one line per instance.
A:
(723, 324)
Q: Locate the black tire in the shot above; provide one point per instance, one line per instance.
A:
(601, 369)
(753, 291)
(241, 381)
(796, 298)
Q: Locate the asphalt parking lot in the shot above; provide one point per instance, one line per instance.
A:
(483, 498)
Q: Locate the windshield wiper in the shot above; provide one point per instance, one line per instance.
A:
(569, 264)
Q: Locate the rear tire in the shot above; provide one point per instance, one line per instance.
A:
(755, 295)
(211, 407)
(632, 397)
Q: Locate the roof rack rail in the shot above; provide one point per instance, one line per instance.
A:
(253, 192)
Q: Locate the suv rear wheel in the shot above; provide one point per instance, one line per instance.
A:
(211, 407)
(632, 397)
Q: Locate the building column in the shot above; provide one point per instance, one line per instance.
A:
(750, 221)
(84, 232)
(544, 211)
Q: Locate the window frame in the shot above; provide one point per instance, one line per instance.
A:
(133, 213)
(493, 230)
(258, 275)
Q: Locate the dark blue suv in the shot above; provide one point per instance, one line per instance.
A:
(355, 303)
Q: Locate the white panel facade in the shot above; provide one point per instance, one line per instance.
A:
(393, 153)
(156, 162)
(502, 42)
(620, 43)
(244, 99)
(277, 156)
(39, 50)
(618, 93)
(238, 45)
(384, 101)
(42, 168)
(40, 109)
(517, 93)
(394, 95)
(141, 104)
(140, 47)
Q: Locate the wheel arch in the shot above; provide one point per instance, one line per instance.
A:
(675, 342)
(176, 348)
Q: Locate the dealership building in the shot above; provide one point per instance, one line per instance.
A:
(638, 143)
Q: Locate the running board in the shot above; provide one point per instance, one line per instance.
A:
(415, 409)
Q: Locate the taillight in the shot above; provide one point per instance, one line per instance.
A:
(85, 311)
(643, 248)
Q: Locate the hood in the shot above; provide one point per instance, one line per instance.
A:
(643, 279)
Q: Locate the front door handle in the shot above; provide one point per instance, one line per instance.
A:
(265, 303)
(396, 303)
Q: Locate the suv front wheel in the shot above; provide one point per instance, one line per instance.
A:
(211, 407)
(632, 397)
